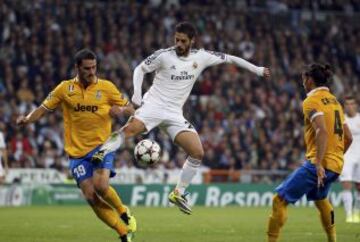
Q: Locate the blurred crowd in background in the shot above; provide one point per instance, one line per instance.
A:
(244, 122)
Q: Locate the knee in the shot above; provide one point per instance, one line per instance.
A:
(90, 196)
(129, 131)
(101, 187)
(197, 154)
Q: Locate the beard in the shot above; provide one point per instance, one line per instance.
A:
(182, 51)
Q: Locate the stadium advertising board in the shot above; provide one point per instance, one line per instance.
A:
(213, 195)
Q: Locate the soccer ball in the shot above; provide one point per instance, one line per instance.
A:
(147, 152)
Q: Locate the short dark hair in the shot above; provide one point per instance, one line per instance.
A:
(84, 54)
(321, 74)
(186, 28)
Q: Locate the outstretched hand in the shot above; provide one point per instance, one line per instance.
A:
(21, 120)
(266, 73)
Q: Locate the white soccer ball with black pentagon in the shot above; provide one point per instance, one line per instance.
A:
(147, 152)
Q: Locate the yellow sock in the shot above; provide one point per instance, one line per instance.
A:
(327, 218)
(112, 198)
(109, 216)
(277, 218)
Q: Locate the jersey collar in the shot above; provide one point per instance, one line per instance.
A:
(76, 79)
(317, 89)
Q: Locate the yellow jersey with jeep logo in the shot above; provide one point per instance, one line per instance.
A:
(321, 102)
(87, 122)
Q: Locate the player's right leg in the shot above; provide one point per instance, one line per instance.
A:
(346, 179)
(103, 211)
(277, 218)
(116, 139)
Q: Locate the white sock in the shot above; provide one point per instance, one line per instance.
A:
(357, 203)
(187, 173)
(347, 200)
(114, 142)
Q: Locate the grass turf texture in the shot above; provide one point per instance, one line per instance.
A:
(230, 224)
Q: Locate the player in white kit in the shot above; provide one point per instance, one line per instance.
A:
(3, 158)
(176, 70)
(351, 171)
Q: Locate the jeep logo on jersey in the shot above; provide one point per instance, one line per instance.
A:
(86, 108)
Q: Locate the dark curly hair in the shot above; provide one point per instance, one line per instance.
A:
(321, 74)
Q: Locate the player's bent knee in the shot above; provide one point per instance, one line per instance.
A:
(101, 188)
(130, 131)
(197, 154)
(90, 196)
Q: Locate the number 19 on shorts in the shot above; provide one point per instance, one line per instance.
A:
(79, 171)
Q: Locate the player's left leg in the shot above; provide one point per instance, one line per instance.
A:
(190, 142)
(356, 177)
(319, 196)
(356, 215)
(107, 192)
(347, 197)
(327, 218)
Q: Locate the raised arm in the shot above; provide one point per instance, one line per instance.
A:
(138, 78)
(212, 58)
(260, 71)
(150, 64)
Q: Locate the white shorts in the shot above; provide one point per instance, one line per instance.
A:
(172, 122)
(351, 169)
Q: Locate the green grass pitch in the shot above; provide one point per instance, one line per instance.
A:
(230, 224)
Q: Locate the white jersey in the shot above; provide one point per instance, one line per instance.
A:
(354, 125)
(175, 75)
